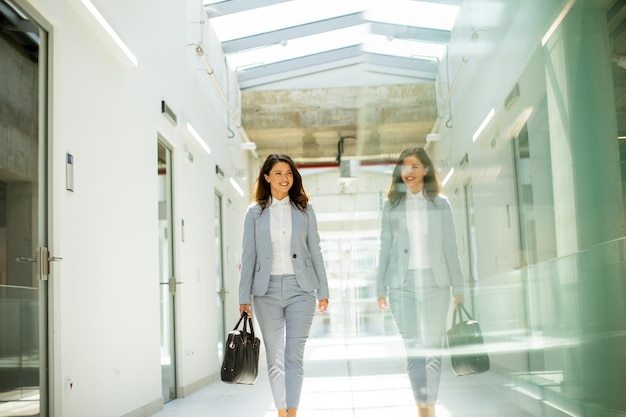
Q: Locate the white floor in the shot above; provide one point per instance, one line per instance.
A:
(351, 378)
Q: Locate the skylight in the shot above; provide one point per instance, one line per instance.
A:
(290, 30)
(413, 13)
(280, 16)
(398, 47)
(299, 47)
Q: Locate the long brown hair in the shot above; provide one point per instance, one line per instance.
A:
(397, 189)
(263, 193)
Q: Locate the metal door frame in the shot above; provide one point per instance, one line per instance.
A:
(173, 283)
(45, 214)
(221, 279)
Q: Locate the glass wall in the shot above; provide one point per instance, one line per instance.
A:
(538, 207)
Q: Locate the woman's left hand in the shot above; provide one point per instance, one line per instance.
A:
(322, 305)
(458, 299)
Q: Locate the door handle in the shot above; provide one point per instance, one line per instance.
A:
(44, 254)
(172, 284)
(44, 265)
(25, 259)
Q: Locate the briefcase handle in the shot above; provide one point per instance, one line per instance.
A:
(460, 309)
(246, 321)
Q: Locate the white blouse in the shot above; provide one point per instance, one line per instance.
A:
(417, 226)
(280, 233)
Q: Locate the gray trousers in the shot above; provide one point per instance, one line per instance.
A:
(420, 309)
(285, 314)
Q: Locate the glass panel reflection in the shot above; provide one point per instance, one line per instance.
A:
(539, 216)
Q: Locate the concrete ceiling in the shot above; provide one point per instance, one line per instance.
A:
(375, 122)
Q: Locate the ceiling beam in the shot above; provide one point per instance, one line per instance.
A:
(235, 6)
(300, 63)
(311, 64)
(448, 2)
(406, 67)
(302, 72)
(410, 32)
(421, 65)
(287, 34)
(400, 72)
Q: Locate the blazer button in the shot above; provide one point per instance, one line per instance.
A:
(406, 251)
(294, 256)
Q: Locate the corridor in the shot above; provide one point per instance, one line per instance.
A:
(362, 377)
(131, 139)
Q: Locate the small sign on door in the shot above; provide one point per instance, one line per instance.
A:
(69, 172)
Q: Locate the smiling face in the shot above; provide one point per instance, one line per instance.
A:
(412, 172)
(280, 179)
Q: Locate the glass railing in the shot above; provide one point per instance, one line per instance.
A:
(558, 328)
(19, 349)
(555, 331)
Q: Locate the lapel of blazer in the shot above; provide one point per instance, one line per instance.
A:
(435, 237)
(263, 229)
(400, 220)
(297, 217)
(430, 214)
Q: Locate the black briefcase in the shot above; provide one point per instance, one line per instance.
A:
(467, 347)
(241, 354)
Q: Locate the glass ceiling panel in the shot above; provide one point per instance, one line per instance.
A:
(378, 44)
(280, 16)
(295, 48)
(413, 13)
(298, 12)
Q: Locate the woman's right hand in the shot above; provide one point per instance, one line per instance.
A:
(245, 308)
(382, 303)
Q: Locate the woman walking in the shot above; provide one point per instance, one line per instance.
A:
(418, 265)
(282, 274)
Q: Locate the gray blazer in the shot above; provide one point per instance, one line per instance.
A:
(394, 253)
(306, 257)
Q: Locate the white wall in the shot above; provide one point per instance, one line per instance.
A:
(105, 111)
